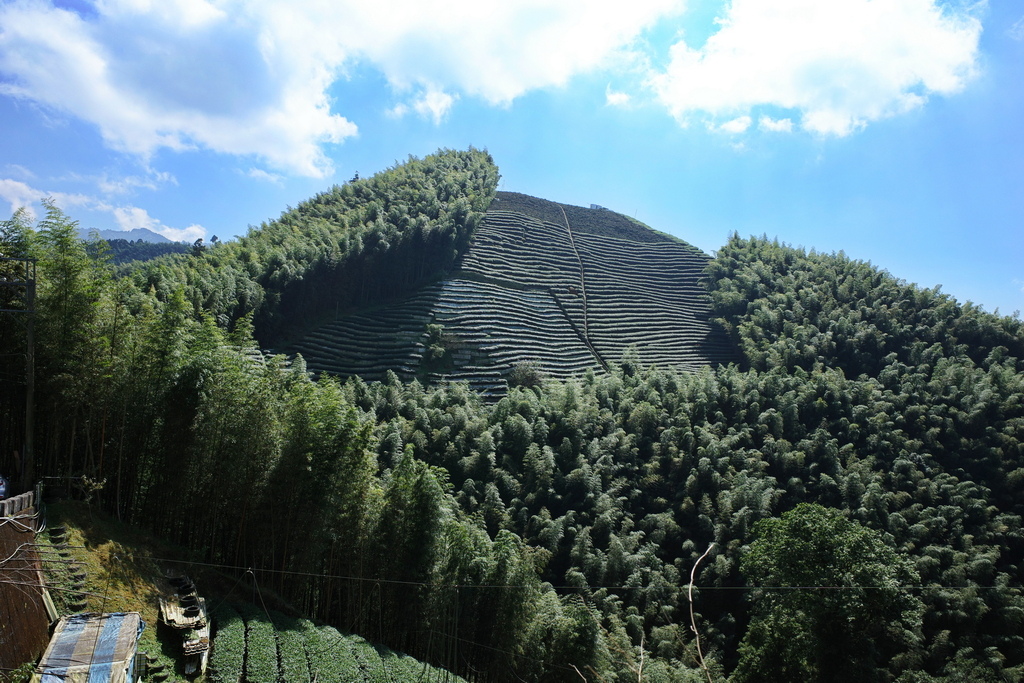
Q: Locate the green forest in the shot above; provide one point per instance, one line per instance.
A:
(843, 504)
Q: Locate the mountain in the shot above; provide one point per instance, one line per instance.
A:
(850, 490)
(132, 235)
(555, 288)
(425, 270)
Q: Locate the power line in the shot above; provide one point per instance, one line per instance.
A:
(541, 586)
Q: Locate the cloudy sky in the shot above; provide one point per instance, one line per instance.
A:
(890, 129)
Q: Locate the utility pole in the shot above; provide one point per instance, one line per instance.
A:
(18, 297)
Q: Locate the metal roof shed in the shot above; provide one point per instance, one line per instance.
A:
(92, 648)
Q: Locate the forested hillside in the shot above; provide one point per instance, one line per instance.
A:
(122, 251)
(626, 480)
(543, 290)
(855, 480)
(363, 242)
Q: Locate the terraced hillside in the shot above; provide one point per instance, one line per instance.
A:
(560, 287)
(255, 646)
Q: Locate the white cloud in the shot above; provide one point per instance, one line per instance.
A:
(779, 126)
(19, 170)
(253, 77)
(21, 195)
(736, 125)
(434, 104)
(132, 217)
(151, 78)
(187, 13)
(838, 64)
(18, 195)
(1017, 30)
(260, 174)
(66, 199)
(398, 111)
(189, 234)
(125, 184)
(493, 50)
(616, 99)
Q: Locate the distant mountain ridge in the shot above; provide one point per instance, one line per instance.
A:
(144, 234)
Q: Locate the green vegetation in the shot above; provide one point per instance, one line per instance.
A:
(367, 241)
(331, 653)
(122, 251)
(861, 615)
(873, 431)
(532, 292)
(101, 565)
(307, 652)
(291, 643)
(260, 645)
(227, 659)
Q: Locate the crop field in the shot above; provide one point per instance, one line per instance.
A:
(531, 289)
(650, 295)
(520, 252)
(252, 646)
(610, 292)
(228, 656)
(501, 327)
(582, 220)
(370, 343)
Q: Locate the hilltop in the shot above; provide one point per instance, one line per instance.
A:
(356, 245)
(425, 270)
(555, 288)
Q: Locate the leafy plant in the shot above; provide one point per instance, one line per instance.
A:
(260, 646)
(291, 637)
(227, 657)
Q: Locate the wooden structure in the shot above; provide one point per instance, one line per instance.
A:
(93, 648)
(24, 620)
(186, 612)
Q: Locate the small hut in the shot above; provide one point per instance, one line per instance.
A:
(92, 648)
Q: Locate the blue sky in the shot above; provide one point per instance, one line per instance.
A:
(890, 129)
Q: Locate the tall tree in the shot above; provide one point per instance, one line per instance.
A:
(831, 604)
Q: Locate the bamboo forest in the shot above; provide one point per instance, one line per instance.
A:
(771, 464)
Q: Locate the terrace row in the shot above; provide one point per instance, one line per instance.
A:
(255, 646)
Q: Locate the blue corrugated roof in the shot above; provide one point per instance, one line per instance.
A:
(100, 647)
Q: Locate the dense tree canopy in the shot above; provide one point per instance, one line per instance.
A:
(874, 433)
(844, 631)
(124, 251)
(367, 240)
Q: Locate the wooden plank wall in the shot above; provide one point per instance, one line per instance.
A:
(24, 627)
